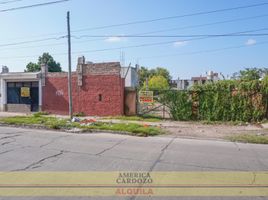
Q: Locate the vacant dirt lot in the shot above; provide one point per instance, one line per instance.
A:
(200, 130)
(219, 131)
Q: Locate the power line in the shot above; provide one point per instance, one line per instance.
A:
(29, 47)
(164, 30)
(32, 41)
(168, 36)
(144, 33)
(33, 5)
(7, 2)
(166, 55)
(177, 28)
(204, 51)
(173, 17)
(198, 36)
(203, 25)
(162, 43)
(140, 36)
(49, 45)
(171, 29)
(83, 41)
(142, 45)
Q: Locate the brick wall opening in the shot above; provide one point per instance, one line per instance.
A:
(100, 97)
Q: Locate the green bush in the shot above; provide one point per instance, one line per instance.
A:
(230, 100)
(39, 114)
(179, 103)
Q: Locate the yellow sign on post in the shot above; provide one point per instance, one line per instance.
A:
(146, 97)
(25, 92)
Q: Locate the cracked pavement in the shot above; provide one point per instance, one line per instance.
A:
(38, 150)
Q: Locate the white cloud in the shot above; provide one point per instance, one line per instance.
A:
(180, 43)
(250, 42)
(113, 39)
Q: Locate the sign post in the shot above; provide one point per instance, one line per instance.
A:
(146, 97)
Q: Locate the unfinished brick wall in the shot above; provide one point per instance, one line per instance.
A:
(99, 95)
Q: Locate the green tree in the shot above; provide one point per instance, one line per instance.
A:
(47, 59)
(250, 74)
(143, 74)
(157, 83)
(32, 67)
(159, 71)
(265, 87)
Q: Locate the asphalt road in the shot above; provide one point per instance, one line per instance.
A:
(37, 150)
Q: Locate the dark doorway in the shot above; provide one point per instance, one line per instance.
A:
(35, 99)
(14, 95)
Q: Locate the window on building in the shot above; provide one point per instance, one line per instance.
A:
(100, 97)
(9, 85)
(14, 93)
(35, 84)
(19, 84)
(27, 84)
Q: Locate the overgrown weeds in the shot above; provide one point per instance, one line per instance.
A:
(57, 123)
(227, 100)
(249, 138)
(145, 118)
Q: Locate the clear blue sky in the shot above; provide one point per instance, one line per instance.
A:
(39, 23)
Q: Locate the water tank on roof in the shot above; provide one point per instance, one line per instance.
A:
(210, 75)
(5, 70)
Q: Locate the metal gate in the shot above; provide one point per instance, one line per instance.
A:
(14, 94)
(152, 106)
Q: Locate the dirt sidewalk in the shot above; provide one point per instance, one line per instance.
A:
(184, 129)
(219, 131)
(11, 114)
(200, 130)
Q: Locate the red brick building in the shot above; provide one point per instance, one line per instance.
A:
(98, 90)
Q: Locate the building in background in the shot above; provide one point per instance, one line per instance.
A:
(173, 84)
(131, 76)
(186, 84)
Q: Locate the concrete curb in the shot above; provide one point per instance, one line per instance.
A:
(40, 127)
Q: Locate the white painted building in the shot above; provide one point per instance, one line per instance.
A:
(186, 84)
(131, 76)
(12, 85)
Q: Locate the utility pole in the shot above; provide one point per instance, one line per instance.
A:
(70, 67)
